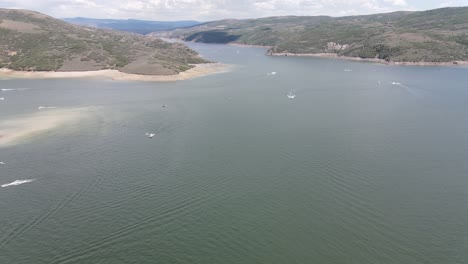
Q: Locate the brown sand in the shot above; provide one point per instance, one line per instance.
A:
(197, 71)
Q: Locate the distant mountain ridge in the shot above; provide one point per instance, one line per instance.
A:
(31, 41)
(439, 35)
(131, 25)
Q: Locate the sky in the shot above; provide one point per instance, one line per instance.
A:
(208, 10)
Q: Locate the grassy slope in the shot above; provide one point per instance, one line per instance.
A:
(131, 25)
(439, 35)
(33, 41)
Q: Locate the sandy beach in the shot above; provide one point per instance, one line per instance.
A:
(336, 56)
(25, 127)
(197, 71)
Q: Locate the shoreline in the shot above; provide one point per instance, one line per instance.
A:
(180, 40)
(396, 63)
(336, 56)
(248, 45)
(198, 71)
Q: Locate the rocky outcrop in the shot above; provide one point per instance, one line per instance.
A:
(336, 47)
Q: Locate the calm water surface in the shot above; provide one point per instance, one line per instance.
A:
(354, 169)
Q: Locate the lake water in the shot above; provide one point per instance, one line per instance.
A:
(354, 169)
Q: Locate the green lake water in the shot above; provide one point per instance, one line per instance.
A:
(353, 170)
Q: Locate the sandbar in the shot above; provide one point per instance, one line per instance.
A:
(197, 71)
(24, 127)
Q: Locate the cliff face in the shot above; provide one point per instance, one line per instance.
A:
(31, 41)
(439, 35)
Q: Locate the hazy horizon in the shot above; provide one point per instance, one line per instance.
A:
(231, 18)
(209, 10)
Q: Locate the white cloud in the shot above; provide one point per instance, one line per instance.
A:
(206, 10)
(454, 3)
(397, 2)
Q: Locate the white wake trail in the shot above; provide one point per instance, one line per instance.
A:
(16, 183)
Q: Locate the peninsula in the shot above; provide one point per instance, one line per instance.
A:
(32, 42)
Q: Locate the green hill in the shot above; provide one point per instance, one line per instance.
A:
(131, 25)
(439, 35)
(32, 41)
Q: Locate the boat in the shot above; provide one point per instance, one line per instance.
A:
(150, 135)
(290, 95)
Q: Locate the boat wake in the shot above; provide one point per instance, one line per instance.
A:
(15, 183)
(12, 89)
(410, 90)
(46, 107)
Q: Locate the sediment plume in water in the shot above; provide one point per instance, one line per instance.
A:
(20, 128)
